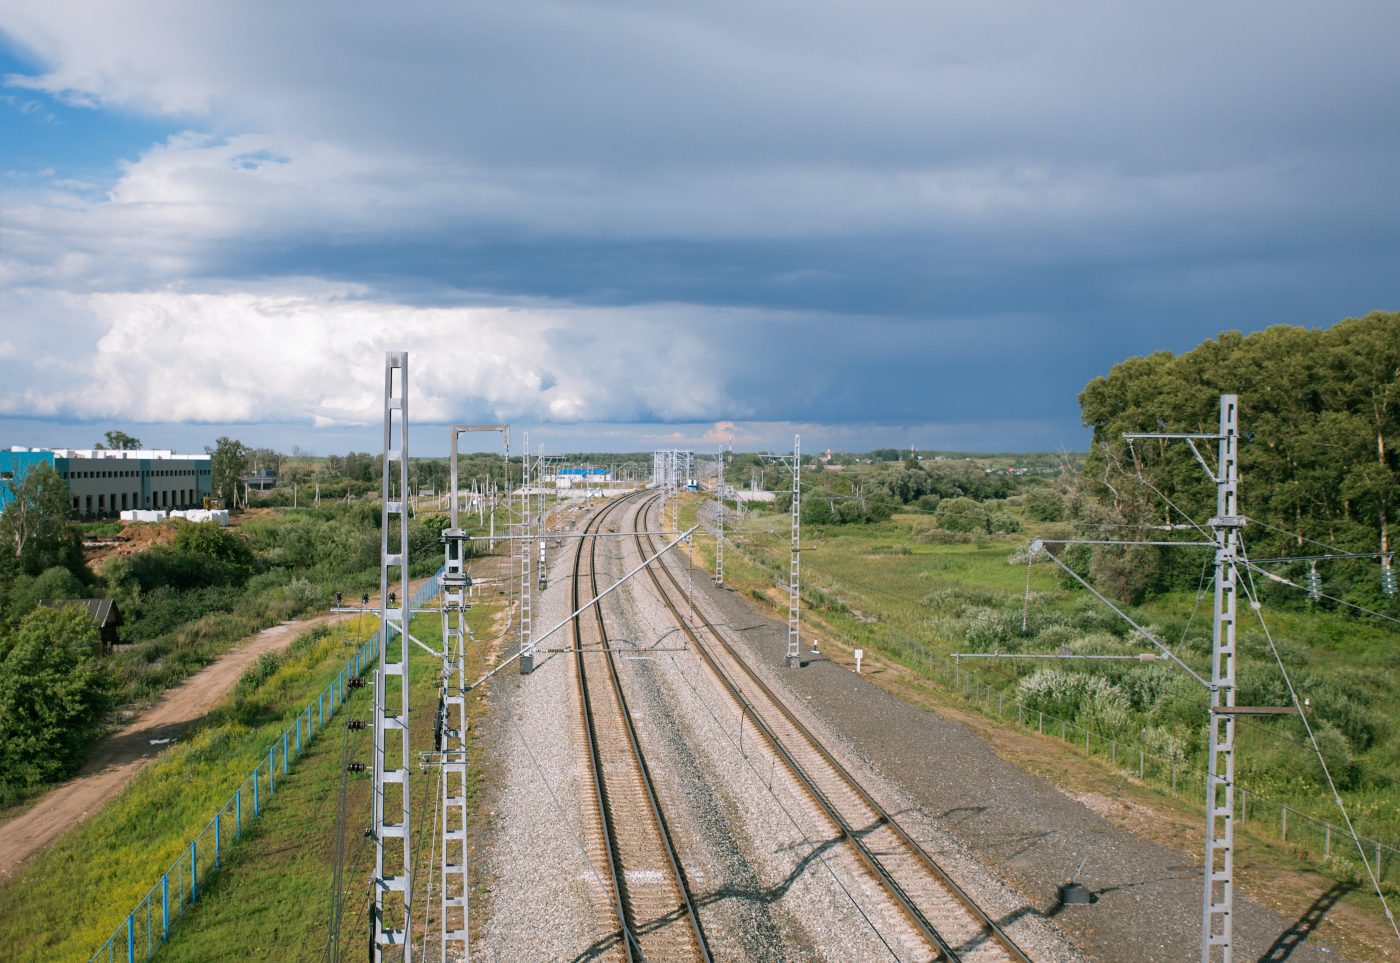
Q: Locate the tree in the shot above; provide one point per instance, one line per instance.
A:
(120, 441)
(211, 541)
(1319, 409)
(228, 462)
(54, 583)
(962, 515)
(53, 694)
(1045, 505)
(36, 522)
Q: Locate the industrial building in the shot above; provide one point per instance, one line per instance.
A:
(102, 482)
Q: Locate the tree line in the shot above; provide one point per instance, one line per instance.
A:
(1319, 466)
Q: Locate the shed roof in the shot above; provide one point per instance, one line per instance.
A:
(103, 611)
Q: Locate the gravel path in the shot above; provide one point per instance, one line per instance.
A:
(941, 776)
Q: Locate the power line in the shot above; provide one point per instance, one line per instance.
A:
(1248, 585)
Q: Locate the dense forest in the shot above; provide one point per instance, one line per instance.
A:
(1319, 467)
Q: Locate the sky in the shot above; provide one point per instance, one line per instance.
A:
(623, 225)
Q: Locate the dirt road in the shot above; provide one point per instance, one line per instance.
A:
(116, 759)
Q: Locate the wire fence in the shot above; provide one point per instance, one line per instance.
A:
(148, 925)
(1305, 837)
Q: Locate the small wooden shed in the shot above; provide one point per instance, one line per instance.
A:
(104, 613)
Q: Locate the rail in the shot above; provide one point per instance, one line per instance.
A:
(876, 865)
(624, 901)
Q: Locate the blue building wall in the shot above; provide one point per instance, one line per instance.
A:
(101, 487)
(14, 465)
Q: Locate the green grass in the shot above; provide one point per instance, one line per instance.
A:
(70, 897)
(272, 902)
(914, 594)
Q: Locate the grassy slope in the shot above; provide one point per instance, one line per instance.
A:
(67, 901)
(272, 903)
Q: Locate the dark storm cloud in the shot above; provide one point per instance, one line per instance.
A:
(887, 213)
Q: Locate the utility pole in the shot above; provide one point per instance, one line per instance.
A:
(719, 512)
(391, 766)
(794, 658)
(1218, 896)
(675, 491)
(455, 917)
(527, 649)
(1217, 922)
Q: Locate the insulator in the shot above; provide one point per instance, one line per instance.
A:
(1314, 583)
(355, 725)
(1388, 579)
(356, 683)
(355, 767)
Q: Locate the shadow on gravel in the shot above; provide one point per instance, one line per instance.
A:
(762, 895)
(1297, 934)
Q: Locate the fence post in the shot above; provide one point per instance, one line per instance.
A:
(1062, 731)
(298, 737)
(194, 872)
(1086, 741)
(238, 813)
(1113, 751)
(256, 810)
(321, 710)
(217, 847)
(272, 770)
(1283, 813)
(1173, 777)
(165, 907)
(1040, 722)
(285, 764)
(1378, 860)
(1140, 763)
(1327, 841)
(130, 939)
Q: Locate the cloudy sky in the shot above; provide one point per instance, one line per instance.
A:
(620, 224)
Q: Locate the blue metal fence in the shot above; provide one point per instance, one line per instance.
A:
(148, 924)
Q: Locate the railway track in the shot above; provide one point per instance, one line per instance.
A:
(950, 922)
(651, 898)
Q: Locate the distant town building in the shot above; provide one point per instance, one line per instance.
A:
(579, 477)
(104, 482)
(262, 480)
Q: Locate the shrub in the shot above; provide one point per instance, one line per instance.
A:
(1045, 505)
(53, 695)
(961, 515)
(259, 672)
(305, 594)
